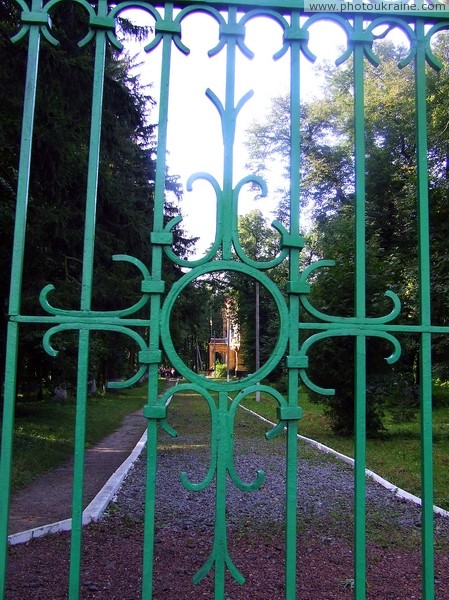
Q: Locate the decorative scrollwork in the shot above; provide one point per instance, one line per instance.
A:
(147, 284)
(346, 332)
(95, 326)
(336, 319)
(222, 419)
(277, 430)
(174, 293)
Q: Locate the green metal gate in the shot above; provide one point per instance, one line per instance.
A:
(226, 254)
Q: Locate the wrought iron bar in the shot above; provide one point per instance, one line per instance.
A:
(425, 364)
(294, 248)
(231, 17)
(360, 312)
(15, 296)
(86, 305)
(165, 29)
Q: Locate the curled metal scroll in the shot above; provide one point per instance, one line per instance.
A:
(226, 252)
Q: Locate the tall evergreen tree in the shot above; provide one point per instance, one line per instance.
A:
(58, 189)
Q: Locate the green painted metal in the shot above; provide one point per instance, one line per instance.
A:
(16, 285)
(360, 312)
(227, 254)
(424, 313)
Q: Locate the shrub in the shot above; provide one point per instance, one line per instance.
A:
(220, 369)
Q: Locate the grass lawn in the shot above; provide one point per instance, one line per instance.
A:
(44, 437)
(44, 432)
(395, 456)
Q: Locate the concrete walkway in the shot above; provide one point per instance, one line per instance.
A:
(49, 498)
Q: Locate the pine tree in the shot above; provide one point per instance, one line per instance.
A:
(58, 190)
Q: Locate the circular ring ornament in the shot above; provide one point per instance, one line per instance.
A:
(278, 350)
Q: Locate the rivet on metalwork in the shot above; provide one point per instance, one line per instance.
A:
(102, 22)
(161, 238)
(155, 412)
(299, 361)
(152, 287)
(292, 240)
(236, 30)
(297, 287)
(149, 357)
(289, 413)
(35, 18)
(168, 27)
(362, 37)
(295, 33)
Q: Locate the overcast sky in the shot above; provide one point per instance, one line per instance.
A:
(195, 141)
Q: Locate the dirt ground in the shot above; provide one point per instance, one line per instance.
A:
(112, 566)
(112, 548)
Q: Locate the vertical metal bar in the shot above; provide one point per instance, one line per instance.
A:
(16, 288)
(257, 334)
(6, 446)
(360, 312)
(150, 493)
(293, 381)
(220, 534)
(229, 124)
(78, 467)
(425, 315)
(86, 302)
(155, 308)
(23, 183)
(228, 344)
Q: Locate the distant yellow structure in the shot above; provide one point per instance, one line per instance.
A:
(226, 349)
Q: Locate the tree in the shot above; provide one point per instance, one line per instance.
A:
(57, 192)
(391, 236)
(256, 311)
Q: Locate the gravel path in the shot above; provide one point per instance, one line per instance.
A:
(325, 485)
(112, 549)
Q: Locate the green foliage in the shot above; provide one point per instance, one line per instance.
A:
(44, 431)
(399, 393)
(395, 455)
(327, 180)
(332, 292)
(190, 330)
(220, 369)
(260, 242)
(339, 372)
(440, 394)
(124, 207)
